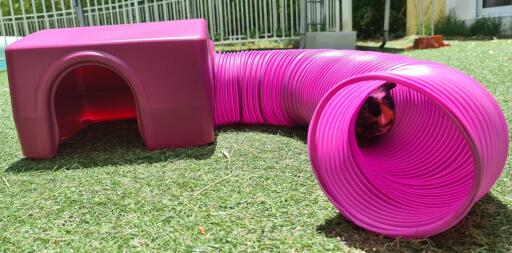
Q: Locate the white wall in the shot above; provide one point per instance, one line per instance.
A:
(6, 40)
(464, 9)
(470, 10)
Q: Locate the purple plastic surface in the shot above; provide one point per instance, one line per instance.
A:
(446, 150)
(62, 80)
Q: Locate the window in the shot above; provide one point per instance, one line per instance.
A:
(494, 8)
(495, 3)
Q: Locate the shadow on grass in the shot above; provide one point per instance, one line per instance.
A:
(108, 143)
(290, 132)
(487, 228)
(384, 50)
(119, 143)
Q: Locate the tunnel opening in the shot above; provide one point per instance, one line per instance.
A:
(417, 178)
(424, 165)
(90, 94)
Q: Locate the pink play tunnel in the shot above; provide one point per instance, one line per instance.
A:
(446, 150)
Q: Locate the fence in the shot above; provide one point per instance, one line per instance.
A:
(229, 20)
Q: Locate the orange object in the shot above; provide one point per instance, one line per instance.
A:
(434, 41)
(202, 231)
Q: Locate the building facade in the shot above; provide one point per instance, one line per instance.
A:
(471, 10)
(466, 10)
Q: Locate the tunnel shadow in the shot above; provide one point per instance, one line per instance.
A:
(487, 228)
(118, 143)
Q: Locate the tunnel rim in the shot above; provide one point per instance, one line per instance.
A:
(407, 81)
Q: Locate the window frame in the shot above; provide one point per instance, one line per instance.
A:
(499, 11)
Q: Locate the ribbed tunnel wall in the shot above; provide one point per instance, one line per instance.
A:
(446, 150)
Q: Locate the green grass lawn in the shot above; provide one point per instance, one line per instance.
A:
(105, 192)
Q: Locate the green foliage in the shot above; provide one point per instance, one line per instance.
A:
(29, 8)
(368, 18)
(486, 27)
(450, 25)
(48, 5)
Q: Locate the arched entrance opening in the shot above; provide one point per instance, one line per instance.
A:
(91, 93)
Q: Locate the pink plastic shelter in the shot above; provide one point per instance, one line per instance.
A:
(160, 73)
